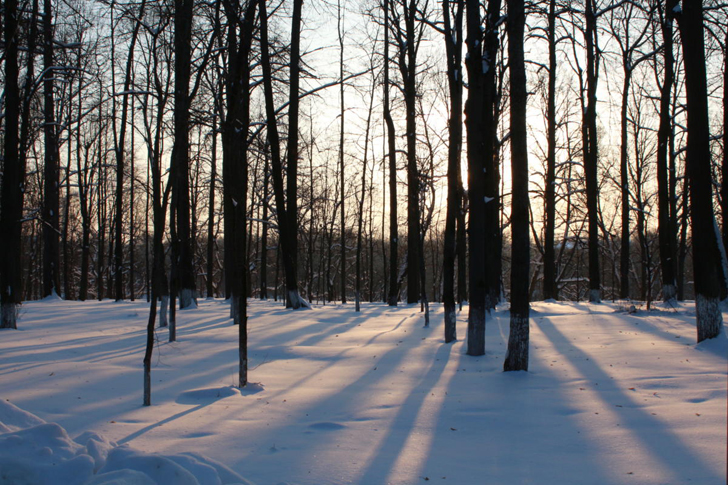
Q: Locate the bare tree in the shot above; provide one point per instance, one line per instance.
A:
(517, 354)
(666, 227)
(453, 32)
(706, 263)
(184, 280)
(12, 181)
(51, 205)
(287, 228)
(480, 63)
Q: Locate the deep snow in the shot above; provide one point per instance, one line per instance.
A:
(368, 398)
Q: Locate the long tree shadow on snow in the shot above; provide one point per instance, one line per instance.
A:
(653, 433)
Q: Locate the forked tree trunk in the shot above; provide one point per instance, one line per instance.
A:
(453, 33)
(667, 230)
(287, 234)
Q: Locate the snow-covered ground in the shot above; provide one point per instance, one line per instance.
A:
(367, 398)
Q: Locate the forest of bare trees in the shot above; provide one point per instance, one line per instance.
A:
(337, 151)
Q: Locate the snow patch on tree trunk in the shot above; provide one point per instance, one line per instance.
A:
(450, 324)
(296, 301)
(9, 316)
(163, 319)
(708, 316)
(187, 299)
(476, 332)
(517, 353)
(669, 293)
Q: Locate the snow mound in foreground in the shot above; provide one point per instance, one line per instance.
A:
(34, 452)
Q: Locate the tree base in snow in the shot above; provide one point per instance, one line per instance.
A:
(187, 298)
(296, 301)
(9, 316)
(669, 293)
(450, 323)
(517, 353)
(595, 296)
(708, 316)
(476, 332)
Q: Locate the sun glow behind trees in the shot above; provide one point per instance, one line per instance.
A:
(97, 93)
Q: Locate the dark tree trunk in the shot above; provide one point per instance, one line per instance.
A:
(550, 290)
(706, 259)
(624, 255)
(724, 164)
(666, 229)
(591, 158)
(264, 236)
(517, 354)
(66, 212)
(236, 148)
(131, 211)
(12, 180)
(361, 200)
(342, 227)
(287, 236)
(211, 213)
(182, 254)
(51, 227)
(462, 247)
(293, 153)
(119, 147)
(408, 67)
(392, 154)
(453, 47)
(480, 64)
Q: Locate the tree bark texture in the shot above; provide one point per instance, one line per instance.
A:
(517, 353)
(706, 254)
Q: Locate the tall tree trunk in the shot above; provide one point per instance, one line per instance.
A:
(51, 228)
(706, 260)
(287, 234)
(119, 147)
(724, 164)
(517, 354)
(453, 47)
(550, 290)
(182, 254)
(624, 255)
(293, 153)
(236, 148)
(342, 235)
(392, 155)
(591, 158)
(264, 236)
(666, 229)
(131, 211)
(12, 180)
(407, 56)
(363, 197)
(474, 62)
(67, 210)
(480, 64)
(211, 212)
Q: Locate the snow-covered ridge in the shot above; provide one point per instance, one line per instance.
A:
(35, 452)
